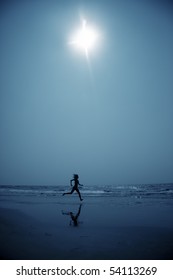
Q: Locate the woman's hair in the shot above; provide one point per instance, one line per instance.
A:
(75, 176)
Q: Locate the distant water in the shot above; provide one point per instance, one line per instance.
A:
(162, 191)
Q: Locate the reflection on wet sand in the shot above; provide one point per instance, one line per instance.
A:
(74, 217)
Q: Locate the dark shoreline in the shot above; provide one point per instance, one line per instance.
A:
(38, 229)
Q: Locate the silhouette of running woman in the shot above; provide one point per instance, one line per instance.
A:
(75, 187)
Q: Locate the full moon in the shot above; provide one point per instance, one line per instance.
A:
(85, 38)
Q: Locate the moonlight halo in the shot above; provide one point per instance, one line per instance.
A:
(85, 38)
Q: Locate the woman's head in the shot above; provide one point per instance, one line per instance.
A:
(75, 176)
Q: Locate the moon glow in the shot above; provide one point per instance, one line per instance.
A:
(85, 38)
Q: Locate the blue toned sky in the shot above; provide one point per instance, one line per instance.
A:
(108, 119)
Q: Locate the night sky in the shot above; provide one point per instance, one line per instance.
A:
(108, 118)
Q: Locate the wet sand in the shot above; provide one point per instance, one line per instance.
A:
(98, 228)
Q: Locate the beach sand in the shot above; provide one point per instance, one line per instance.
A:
(106, 228)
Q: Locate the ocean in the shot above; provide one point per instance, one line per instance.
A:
(152, 191)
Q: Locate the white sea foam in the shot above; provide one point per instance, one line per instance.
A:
(154, 191)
